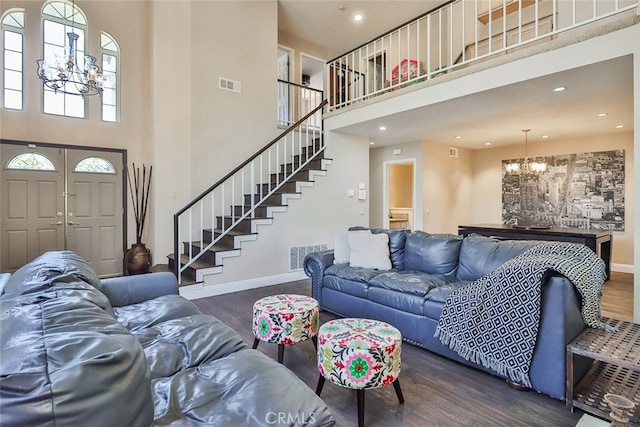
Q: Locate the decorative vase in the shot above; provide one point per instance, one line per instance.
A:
(137, 259)
(620, 409)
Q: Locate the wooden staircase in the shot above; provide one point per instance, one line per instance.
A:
(229, 245)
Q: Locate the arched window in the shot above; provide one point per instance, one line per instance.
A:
(110, 62)
(58, 19)
(31, 161)
(12, 24)
(95, 165)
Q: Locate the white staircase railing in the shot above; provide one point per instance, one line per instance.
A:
(457, 34)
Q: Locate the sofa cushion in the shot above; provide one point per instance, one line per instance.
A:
(480, 255)
(245, 388)
(397, 240)
(186, 342)
(65, 360)
(50, 268)
(432, 253)
(345, 271)
(409, 281)
(369, 250)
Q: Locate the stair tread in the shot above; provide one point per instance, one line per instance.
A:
(214, 248)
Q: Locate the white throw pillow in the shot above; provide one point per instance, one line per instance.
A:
(369, 251)
(341, 248)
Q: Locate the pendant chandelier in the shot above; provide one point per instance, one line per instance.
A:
(65, 74)
(526, 167)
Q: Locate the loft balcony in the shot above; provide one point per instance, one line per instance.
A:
(458, 36)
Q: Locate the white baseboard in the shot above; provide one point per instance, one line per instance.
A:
(622, 268)
(202, 290)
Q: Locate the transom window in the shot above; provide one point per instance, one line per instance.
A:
(13, 54)
(31, 161)
(95, 165)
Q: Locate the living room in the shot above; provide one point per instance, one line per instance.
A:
(174, 116)
(211, 121)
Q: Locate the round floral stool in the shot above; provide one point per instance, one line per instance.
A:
(359, 354)
(285, 319)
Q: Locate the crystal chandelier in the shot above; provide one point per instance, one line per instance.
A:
(526, 167)
(65, 75)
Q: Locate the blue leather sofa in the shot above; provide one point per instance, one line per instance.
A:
(129, 351)
(426, 268)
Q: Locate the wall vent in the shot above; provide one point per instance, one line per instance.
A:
(297, 254)
(453, 152)
(228, 84)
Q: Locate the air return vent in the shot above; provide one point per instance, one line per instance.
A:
(297, 254)
(228, 84)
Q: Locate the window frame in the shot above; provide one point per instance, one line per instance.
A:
(9, 23)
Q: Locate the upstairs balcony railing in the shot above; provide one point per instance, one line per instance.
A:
(453, 36)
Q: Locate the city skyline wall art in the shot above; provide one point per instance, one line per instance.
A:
(584, 190)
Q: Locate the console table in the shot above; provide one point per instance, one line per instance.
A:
(598, 241)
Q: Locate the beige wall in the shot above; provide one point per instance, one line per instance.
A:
(487, 180)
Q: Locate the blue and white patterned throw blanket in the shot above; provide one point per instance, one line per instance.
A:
(493, 321)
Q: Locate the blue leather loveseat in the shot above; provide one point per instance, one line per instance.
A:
(426, 268)
(129, 351)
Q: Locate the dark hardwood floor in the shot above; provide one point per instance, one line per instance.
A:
(437, 391)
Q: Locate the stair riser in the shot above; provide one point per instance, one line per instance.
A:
(303, 175)
(289, 187)
(289, 167)
(243, 226)
(190, 272)
(209, 257)
(260, 211)
(274, 199)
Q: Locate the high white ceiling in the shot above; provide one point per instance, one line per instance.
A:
(603, 87)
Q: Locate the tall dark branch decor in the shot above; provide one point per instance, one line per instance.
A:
(140, 197)
(138, 258)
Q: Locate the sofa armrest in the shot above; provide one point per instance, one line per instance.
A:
(4, 278)
(127, 290)
(314, 266)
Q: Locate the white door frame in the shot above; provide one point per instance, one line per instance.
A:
(385, 190)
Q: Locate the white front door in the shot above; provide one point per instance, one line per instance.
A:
(61, 198)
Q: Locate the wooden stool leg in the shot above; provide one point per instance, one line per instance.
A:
(396, 386)
(320, 385)
(360, 399)
(255, 343)
(280, 353)
(314, 339)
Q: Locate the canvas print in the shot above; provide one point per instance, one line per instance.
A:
(584, 190)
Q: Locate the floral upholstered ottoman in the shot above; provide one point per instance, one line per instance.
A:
(285, 319)
(359, 354)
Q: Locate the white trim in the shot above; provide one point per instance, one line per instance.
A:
(622, 268)
(202, 290)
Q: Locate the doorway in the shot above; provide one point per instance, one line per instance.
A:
(377, 71)
(284, 98)
(61, 197)
(399, 195)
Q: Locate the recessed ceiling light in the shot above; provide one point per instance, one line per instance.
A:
(602, 114)
(382, 128)
(619, 126)
(487, 143)
(559, 88)
(458, 137)
(357, 17)
(371, 143)
(545, 136)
